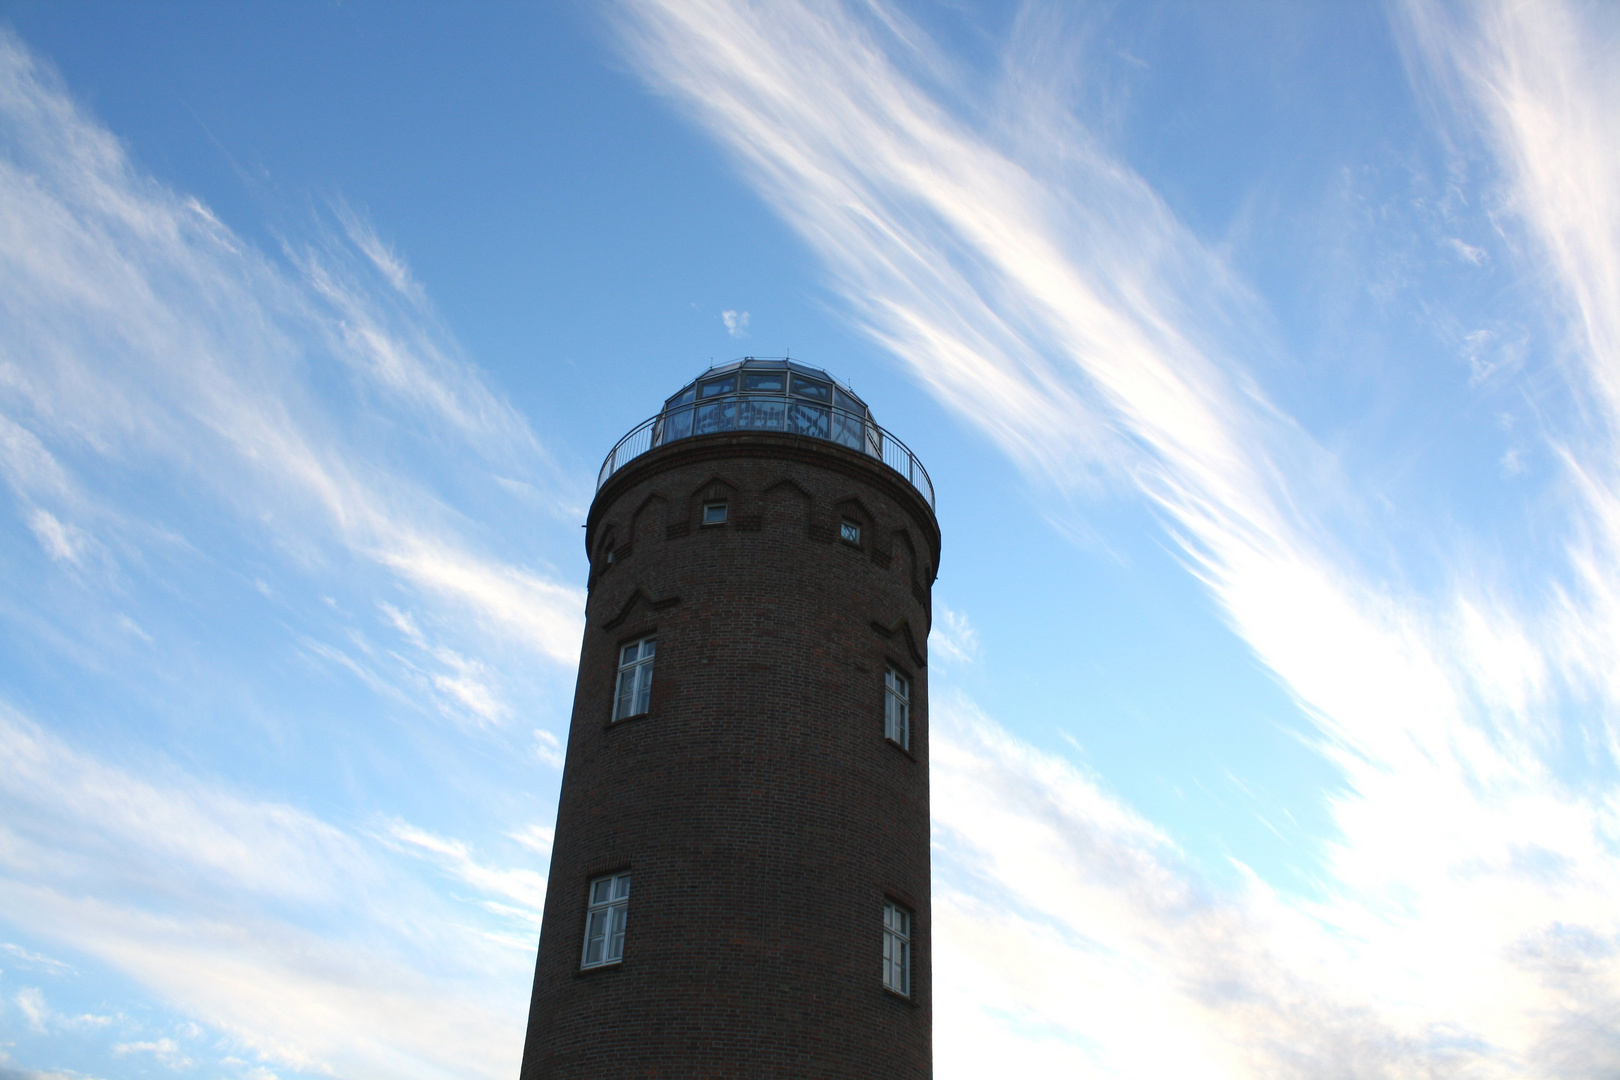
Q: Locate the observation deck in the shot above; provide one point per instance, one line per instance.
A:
(769, 394)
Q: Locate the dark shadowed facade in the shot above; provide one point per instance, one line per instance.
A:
(740, 881)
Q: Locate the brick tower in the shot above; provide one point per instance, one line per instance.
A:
(739, 885)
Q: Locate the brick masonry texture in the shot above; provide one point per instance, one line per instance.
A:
(760, 810)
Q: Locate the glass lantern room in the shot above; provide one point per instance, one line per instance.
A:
(769, 394)
(766, 394)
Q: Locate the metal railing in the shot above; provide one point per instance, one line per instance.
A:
(745, 413)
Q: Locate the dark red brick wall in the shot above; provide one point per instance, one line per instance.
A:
(760, 810)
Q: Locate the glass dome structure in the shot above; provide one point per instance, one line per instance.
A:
(769, 394)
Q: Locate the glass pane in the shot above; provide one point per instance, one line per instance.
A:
(716, 416)
(769, 381)
(808, 388)
(809, 420)
(718, 387)
(601, 891)
(647, 647)
(621, 886)
(714, 513)
(847, 430)
(626, 695)
(677, 425)
(628, 655)
(643, 688)
(683, 398)
(595, 937)
(843, 401)
(615, 943)
(761, 414)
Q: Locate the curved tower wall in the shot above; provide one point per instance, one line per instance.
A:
(760, 811)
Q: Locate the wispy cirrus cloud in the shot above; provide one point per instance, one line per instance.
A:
(142, 334)
(1040, 287)
(300, 941)
(190, 425)
(1535, 88)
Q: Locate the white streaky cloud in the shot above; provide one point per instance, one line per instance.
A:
(521, 886)
(35, 961)
(952, 637)
(1537, 85)
(539, 612)
(1542, 81)
(548, 748)
(142, 334)
(64, 543)
(736, 322)
(1072, 935)
(263, 850)
(1043, 290)
(165, 1050)
(536, 838)
(291, 997)
(401, 347)
(31, 1001)
(302, 943)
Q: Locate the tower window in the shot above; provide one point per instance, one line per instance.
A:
(634, 691)
(849, 532)
(896, 948)
(768, 381)
(815, 391)
(605, 919)
(897, 708)
(714, 513)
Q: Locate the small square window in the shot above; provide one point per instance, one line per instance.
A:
(714, 513)
(849, 532)
(897, 708)
(896, 948)
(607, 907)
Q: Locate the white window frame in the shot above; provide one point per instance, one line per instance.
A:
(897, 922)
(897, 707)
(607, 909)
(632, 689)
(850, 532)
(719, 519)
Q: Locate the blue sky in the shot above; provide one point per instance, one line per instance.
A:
(1266, 360)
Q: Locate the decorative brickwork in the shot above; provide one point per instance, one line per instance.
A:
(760, 812)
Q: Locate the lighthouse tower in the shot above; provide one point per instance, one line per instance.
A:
(740, 883)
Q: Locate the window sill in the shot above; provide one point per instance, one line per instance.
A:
(902, 749)
(623, 720)
(898, 996)
(614, 965)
